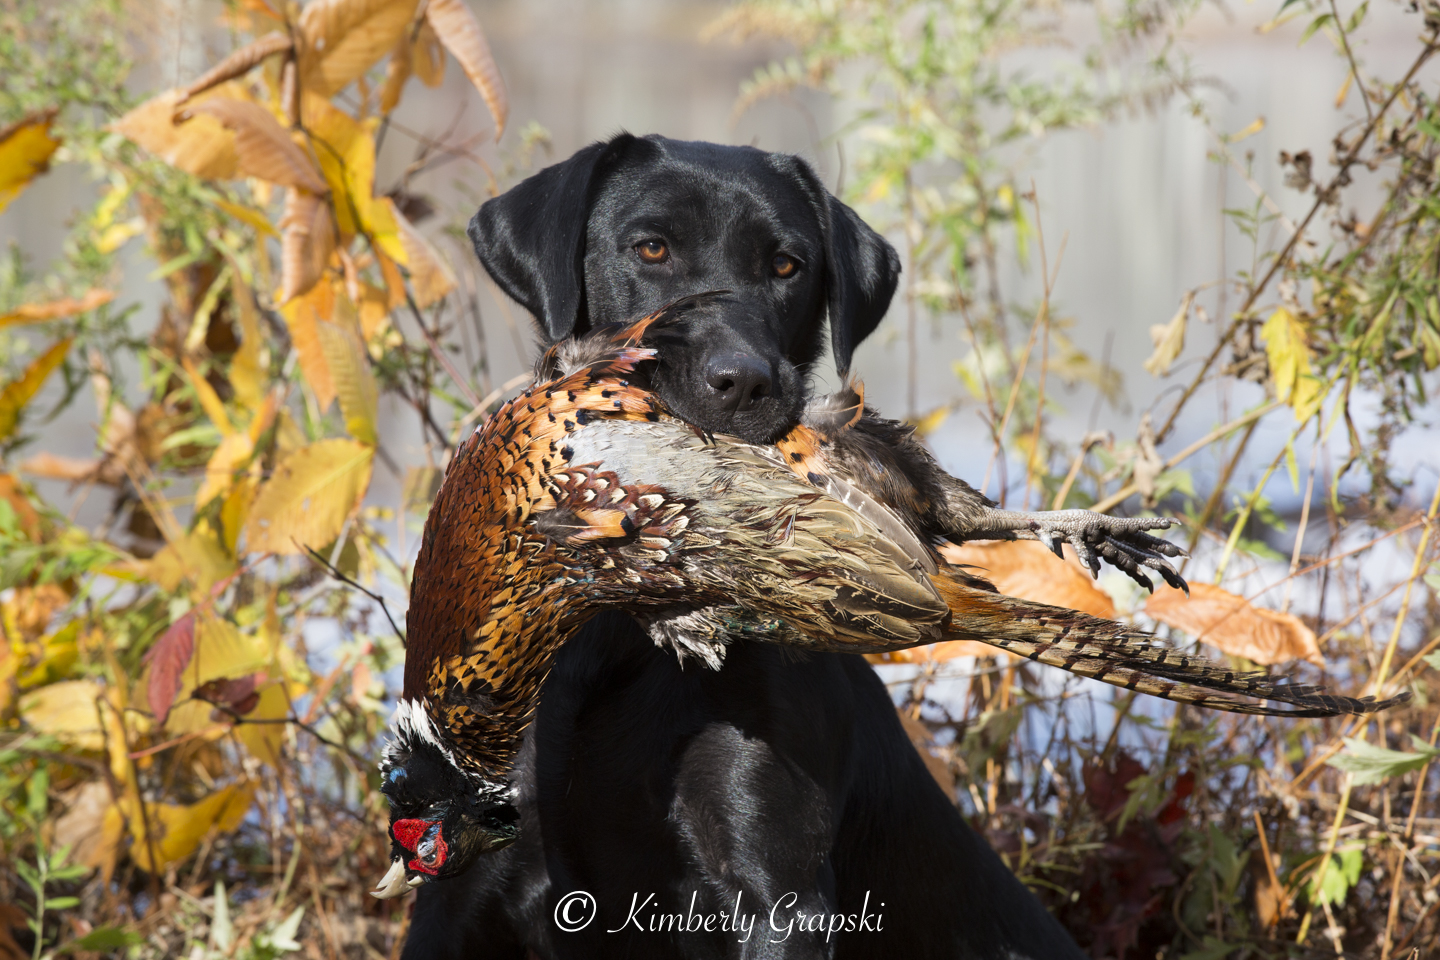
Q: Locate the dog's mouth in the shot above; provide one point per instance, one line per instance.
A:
(760, 414)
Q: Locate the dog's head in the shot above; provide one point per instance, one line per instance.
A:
(629, 225)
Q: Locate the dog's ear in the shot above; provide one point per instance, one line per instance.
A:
(861, 270)
(531, 239)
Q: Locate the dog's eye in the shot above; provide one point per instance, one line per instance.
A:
(783, 266)
(653, 251)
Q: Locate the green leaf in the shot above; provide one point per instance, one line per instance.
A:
(61, 903)
(102, 939)
(1342, 875)
(1433, 658)
(1368, 763)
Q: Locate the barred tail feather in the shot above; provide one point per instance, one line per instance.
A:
(1116, 654)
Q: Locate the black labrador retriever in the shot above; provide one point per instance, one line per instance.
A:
(774, 807)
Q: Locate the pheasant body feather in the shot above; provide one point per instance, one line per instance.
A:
(583, 493)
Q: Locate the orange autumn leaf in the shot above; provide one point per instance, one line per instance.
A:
(1018, 568)
(263, 148)
(239, 63)
(460, 32)
(1026, 569)
(1234, 626)
(201, 145)
(56, 309)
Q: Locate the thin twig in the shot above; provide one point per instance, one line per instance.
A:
(335, 572)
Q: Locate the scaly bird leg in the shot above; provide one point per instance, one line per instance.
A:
(1123, 541)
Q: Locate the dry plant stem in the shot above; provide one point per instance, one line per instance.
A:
(1248, 509)
(1270, 868)
(1304, 521)
(1415, 568)
(1042, 317)
(1335, 559)
(1219, 433)
(1283, 256)
(1073, 473)
(439, 354)
(1398, 865)
(1329, 853)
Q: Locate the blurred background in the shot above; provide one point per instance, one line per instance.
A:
(1169, 257)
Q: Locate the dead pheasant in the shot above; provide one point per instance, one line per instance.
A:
(583, 494)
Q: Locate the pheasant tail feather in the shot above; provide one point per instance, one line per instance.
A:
(1115, 654)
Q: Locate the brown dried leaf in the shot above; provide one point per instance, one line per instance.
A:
(201, 146)
(460, 32)
(307, 233)
(264, 148)
(1025, 569)
(1234, 626)
(341, 39)
(54, 467)
(238, 63)
(56, 309)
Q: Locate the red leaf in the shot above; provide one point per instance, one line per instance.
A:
(168, 660)
(238, 695)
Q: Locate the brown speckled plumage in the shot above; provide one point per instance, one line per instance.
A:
(583, 493)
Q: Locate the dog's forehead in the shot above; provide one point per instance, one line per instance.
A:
(727, 187)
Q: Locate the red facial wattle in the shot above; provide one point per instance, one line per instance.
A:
(410, 834)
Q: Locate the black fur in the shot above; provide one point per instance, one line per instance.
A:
(777, 779)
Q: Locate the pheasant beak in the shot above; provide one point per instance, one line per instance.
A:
(394, 883)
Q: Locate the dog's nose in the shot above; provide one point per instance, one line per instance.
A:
(740, 380)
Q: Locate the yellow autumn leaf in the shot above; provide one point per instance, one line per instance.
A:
(210, 401)
(198, 557)
(354, 382)
(234, 511)
(67, 711)
(247, 215)
(200, 145)
(25, 151)
(341, 39)
(460, 32)
(930, 422)
(22, 390)
(263, 740)
(430, 276)
(1169, 339)
(303, 314)
(306, 502)
(248, 366)
(176, 830)
(233, 453)
(1287, 349)
(345, 148)
(56, 309)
